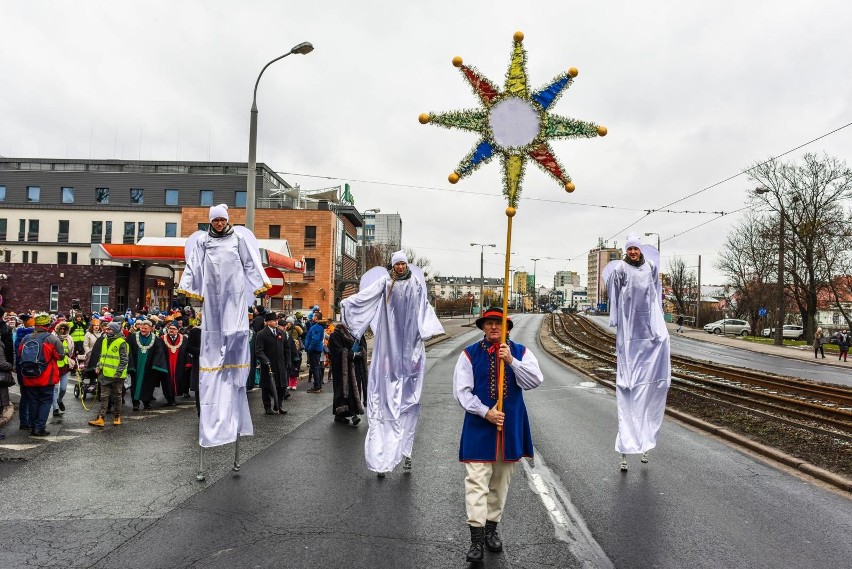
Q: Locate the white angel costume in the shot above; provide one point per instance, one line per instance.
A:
(642, 349)
(226, 273)
(401, 318)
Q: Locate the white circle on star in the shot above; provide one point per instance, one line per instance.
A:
(514, 122)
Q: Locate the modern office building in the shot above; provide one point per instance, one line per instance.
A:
(598, 258)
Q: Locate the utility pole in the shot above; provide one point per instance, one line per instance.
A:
(698, 297)
(482, 247)
(535, 299)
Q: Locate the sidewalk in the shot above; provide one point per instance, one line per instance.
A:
(795, 352)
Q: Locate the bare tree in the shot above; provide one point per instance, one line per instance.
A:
(811, 199)
(682, 281)
(748, 260)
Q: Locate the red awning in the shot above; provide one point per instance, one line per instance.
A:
(173, 254)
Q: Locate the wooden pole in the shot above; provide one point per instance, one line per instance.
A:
(510, 213)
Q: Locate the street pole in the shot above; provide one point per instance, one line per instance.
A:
(779, 327)
(251, 176)
(698, 297)
(535, 300)
(482, 247)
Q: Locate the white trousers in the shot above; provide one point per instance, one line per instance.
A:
(485, 490)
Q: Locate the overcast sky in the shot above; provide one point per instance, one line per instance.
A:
(692, 94)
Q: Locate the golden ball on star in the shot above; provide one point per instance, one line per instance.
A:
(602, 131)
(457, 61)
(570, 187)
(453, 178)
(518, 36)
(510, 211)
(573, 71)
(423, 118)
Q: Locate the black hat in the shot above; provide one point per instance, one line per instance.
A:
(270, 316)
(493, 314)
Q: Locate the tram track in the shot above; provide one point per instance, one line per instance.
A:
(799, 417)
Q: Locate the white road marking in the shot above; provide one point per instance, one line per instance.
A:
(18, 447)
(567, 522)
(84, 431)
(55, 438)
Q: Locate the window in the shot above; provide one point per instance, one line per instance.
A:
(310, 269)
(310, 236)
(108, 232)
(203, 226)
(62, 258)
(67, 194)
(206, 197)
(140, 230)
(7, 256)
(102, 195)
(240, 198)
(35, 257)
(275, 232)
(33, 194)
(171, 229)
(2, 229)
(32, 230)
(64, 225)
(100, 297)
(137, 196)
(172, 197)
(97, 231)
(73, 258)
(2, 193)
(129, 232)
(22, 229)
(25, 256)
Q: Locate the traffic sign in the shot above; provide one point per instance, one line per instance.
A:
(276, 277)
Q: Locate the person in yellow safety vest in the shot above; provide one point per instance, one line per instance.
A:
(112, 371)
(67, 364)
(78, 332)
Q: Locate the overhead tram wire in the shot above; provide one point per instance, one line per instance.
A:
(729, 178)
(490, 195)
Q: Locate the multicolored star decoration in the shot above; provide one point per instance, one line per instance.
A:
(515, 124)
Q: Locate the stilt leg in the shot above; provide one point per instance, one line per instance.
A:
(200, 474)
(623, 462)
(237, 454)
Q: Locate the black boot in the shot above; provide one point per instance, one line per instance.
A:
(492, 540)
(477, 538)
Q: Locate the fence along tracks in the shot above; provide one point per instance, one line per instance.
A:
(809, 405)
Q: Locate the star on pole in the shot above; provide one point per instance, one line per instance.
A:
(515, 124)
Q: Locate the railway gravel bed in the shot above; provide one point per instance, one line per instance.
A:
(832, 453)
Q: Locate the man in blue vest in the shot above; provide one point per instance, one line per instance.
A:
(489, 454)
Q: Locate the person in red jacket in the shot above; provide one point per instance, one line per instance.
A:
(40, 387)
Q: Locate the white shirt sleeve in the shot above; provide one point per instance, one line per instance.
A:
(463, 387)
(527, 372)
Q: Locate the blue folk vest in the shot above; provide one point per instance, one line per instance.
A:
(480, 438)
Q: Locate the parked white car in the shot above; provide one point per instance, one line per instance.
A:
(793, 331)
(728, 326)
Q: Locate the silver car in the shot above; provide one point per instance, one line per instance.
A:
(729, 326)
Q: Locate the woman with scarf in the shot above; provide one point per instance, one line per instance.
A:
(347, 390)
(643, 371)
(225, 271)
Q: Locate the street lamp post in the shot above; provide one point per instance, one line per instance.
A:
(302, 48)
(364, 240)
(482, 247)
(658, 239)
(779, 326)
(535, 300)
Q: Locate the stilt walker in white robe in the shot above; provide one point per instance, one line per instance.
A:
(642, 348)
(395, 304)
(224, 270)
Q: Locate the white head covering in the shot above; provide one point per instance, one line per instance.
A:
(220, 210)
(632, 241)
(398, 257)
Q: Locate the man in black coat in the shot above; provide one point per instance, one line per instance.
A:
(273, 354)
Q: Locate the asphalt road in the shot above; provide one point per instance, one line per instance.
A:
(127, 497)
